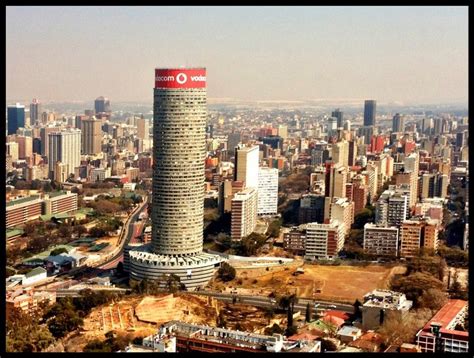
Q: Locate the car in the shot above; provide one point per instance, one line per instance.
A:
(332, 306)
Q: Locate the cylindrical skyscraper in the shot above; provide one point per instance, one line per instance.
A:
(179, 139)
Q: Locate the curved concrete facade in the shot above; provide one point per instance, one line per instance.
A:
(179, 141)
(193, 271)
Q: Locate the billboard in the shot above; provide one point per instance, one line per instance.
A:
(180, 78)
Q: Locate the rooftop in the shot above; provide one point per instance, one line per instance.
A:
(22, 200)
(446, 314)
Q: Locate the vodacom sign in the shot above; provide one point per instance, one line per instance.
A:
(180, 78)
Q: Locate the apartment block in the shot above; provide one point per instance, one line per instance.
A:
(324, 241)
(244, 213)
(381, 240)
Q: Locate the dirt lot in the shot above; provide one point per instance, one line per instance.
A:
(341, 283)
(140, 316)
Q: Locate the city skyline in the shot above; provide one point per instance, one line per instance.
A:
(423, 49)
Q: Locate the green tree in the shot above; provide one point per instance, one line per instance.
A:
(274, 228)
(365, 216)
(63, 318)
(226, 272)
(25, 334)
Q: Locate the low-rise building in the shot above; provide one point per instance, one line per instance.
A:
(22, 210)
(28, 300)
(176, 336)
(442, 333)
(378, 303)
(349, 334)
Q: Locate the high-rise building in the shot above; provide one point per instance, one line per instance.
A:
(13, 151)
(434, 185)
(336, 179)
(44, 136)
(246, 165)
(35, 111)
(142, 128)
(244, 213)
(233, 139)
(340, 209)
(398, 123)
(381, 240)
(340, 117)
(311, 209)
(102, 105)
(369, 112)
(179, 125)
(16, 117)
(367, 132)
(410, 238)
(65, 147)
(324, 241)
(91, 136)
(340, 153)
(267, 191)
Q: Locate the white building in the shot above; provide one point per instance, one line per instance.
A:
(64, 146)
(324, 241)
(246, 165)
(267, 191)
(244, 213)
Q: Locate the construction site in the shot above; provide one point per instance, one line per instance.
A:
(140, 316)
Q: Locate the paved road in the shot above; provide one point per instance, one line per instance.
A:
(263, 301)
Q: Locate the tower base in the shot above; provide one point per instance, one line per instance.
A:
(193, 271)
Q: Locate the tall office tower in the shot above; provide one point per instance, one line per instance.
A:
(340, 117)
(352, 153)
(461, 139)
(372, 174)
(267, 191)
(179, 124)
(426, 125)
(25, 146)
(398, 124)
(324, 241)
(391, 208)
(283, 131)
(244, 213)
(16, 117)
(102, 105)
(35, 111)
(367, 132)
(142, 128)
(347, 125)
(91, 136)
(233, 139)
(369, 112)
(44, 136)
(340, 153)
(332, 127)
(359, 193)
(381, 240)
(336, 179)
(246, 165)
(65, 147)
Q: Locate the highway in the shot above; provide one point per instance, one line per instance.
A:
(262, 301)
(111, 262)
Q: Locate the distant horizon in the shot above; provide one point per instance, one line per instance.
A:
(413, 55)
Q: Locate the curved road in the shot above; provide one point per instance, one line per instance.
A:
(125, 237)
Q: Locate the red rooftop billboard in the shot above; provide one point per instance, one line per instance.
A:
(180, 78)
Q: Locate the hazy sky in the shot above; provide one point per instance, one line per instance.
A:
(392, 54)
